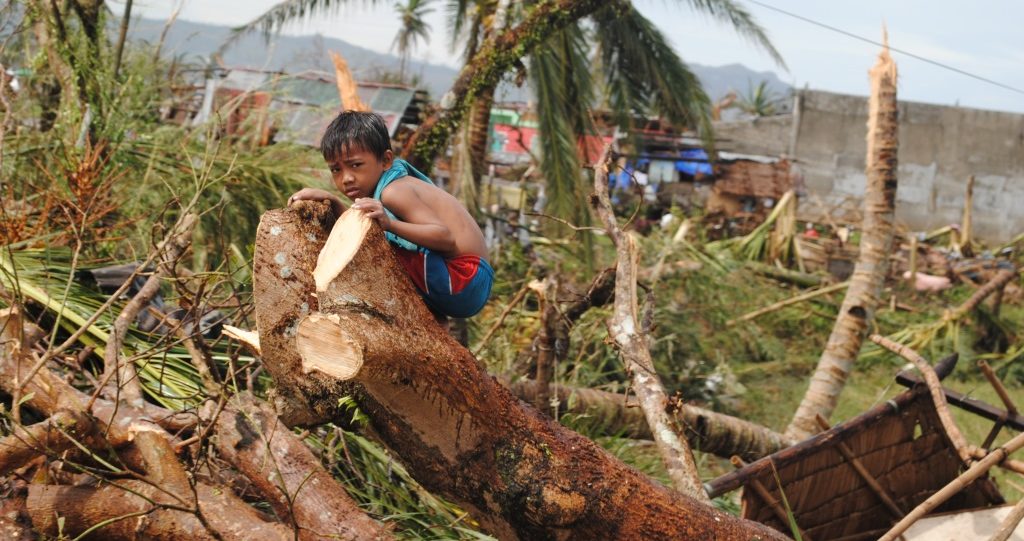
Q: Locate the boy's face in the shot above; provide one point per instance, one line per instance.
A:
(356, 172)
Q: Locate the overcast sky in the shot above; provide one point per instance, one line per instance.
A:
(982, 37)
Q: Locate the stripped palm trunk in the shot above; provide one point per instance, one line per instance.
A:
(858, 307)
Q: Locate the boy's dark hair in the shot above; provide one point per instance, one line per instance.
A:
(359, 128)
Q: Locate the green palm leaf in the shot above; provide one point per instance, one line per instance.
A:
(643, 72)
(290, 11)
(561, 79)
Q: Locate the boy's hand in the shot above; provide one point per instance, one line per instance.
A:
(315, 194)
(374, 210)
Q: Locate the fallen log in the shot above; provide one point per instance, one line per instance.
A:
(458, 431)
(14, 522)
(47, 437)
(47, 393)
(283, 267)
(161, 503)
(137, 510)
(288, 475)
(706, 431)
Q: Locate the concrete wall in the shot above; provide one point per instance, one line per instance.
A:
(939, 148)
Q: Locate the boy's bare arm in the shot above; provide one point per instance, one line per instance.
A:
(316, 194)
(419, 223)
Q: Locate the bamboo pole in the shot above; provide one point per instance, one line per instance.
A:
(997, 282)
(993, 379)
(979, 469)
(787, 302)
(1009, 524)
(1016, 466)
(938, 394)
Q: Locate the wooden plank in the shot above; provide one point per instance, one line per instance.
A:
(974, 525)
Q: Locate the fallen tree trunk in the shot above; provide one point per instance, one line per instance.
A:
(47, 393)
(288, 475)
(137, 510)
(283, 267)
(14, 522)
(458, 431)
(706, 431)
(47, 437)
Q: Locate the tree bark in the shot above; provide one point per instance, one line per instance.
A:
(458, 431)
(706, 431)
(288, 475)
(289, 242)
(14, 522)
(46, 437)
(139, 511)
(862, 297)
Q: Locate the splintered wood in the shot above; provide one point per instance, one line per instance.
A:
(343, 242)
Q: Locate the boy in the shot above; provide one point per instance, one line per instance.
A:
(438, 243)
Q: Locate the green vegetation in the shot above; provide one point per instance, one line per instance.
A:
(81, 194)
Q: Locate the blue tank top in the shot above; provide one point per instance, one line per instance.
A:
(399, 168)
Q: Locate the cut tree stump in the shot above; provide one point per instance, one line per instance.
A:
(459, 432)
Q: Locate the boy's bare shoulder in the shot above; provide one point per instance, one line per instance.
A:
(408, 186)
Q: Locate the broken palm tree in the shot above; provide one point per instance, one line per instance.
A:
(775, 238)
(348, 90)
(366, 333)
(862, 297)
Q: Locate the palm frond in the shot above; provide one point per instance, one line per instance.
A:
(457, 16)
(414, 28)
(561, 79)
(643, 71)
(164, 366)
(288, 11)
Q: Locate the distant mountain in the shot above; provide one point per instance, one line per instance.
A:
(719, 80)
(196, 41)
(292, 54)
